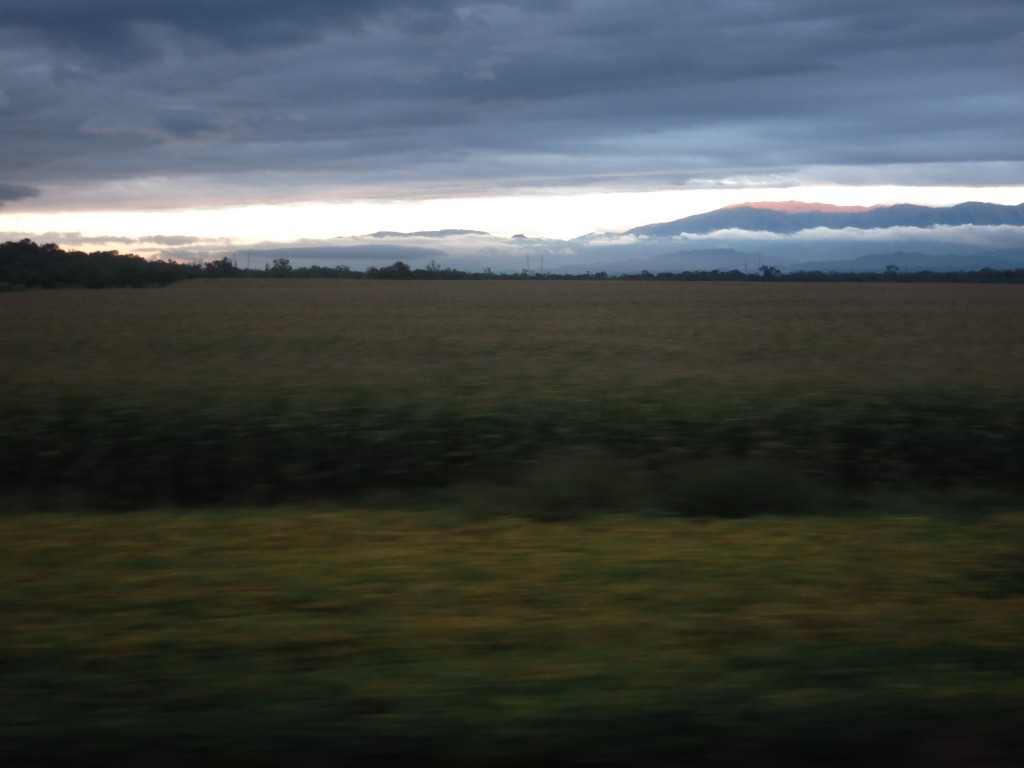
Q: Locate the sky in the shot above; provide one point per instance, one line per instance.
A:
(175, 123)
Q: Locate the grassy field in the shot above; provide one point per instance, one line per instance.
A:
(494, 345)
(512, 523)
(348, 637)
(187, 393)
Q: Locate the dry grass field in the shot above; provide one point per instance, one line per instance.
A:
(496, 344)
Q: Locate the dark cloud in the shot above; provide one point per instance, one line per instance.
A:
(112, 30)
(16, 192)
(275, 97)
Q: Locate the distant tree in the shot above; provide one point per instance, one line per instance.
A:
(892, 269)
(397, 271)
(434, 271)
(316, 270)
(280, 268)
(769, 272)
(224, 267)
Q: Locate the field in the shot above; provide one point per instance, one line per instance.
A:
(465, 523)
(496, 344)
(185, 394)
(250, 637)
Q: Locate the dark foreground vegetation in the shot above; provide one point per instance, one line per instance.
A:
(889, 637)
(262, 522)
(617, 457)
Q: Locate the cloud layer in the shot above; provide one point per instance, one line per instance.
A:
(303, 99)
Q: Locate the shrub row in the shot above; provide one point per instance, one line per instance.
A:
(131, 453)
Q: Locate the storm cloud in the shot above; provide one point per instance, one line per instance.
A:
(250, 100)
(16, 192)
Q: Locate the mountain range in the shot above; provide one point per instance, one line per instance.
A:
(791, 217)
(790, 236)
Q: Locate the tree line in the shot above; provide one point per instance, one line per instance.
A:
(25, 264)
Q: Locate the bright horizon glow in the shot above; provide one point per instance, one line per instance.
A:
(553, 215)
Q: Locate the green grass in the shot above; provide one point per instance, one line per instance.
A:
(250, 637)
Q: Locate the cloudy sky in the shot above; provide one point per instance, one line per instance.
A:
(198, 120)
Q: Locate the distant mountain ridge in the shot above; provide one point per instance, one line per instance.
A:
(793, 216)
(795, 206)
(437, 233)
(791, 236)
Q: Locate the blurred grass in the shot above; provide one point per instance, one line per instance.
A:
(350, 636)
(255, 391)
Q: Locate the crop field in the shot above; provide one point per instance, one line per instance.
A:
(504, 344)
(513, 523)
(187, 393)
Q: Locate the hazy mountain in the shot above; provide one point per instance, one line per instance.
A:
(791, 236)
(916, 262)
(431, 233)
(707, 260)
(791, 217)
(796, 206)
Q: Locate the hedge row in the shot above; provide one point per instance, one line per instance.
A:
(129, 453)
